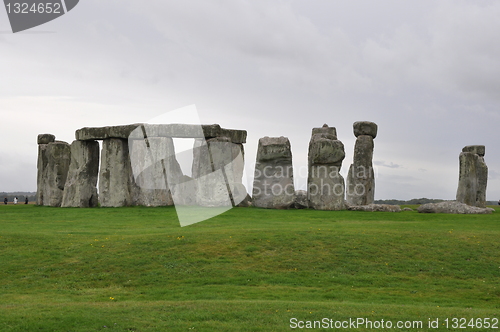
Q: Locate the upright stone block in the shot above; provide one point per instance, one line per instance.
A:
(326, 187)
(273, 186)
(80, 189)
(361, 178)
(155, 170)
(218, 171)
(116, 183)
(473, 176)
(53, 165)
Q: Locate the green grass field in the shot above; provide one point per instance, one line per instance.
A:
(136, 269)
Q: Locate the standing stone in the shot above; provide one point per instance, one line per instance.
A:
(361, 179)
(326, 187)
(43, 140)
(473, 176)
(53, 164)
(273, 181)
(116, 182)
(155, 170)
(80, 188)
(218, 171)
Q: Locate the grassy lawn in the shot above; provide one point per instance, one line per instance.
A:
(136, 269)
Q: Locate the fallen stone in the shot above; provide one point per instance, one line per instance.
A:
(80, 188)
(273, 186)
(365, 128)
(375, 208)
(408, 209)
(453, 207)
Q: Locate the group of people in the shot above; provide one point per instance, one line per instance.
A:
(6, 201)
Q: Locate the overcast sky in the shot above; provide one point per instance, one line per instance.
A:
(427, 72)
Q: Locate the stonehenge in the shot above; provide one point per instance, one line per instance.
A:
(361, 179)
(326, 187)
(473, 176)
(273, 186)
(138, 167)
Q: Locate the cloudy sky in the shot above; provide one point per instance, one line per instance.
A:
(427, 72)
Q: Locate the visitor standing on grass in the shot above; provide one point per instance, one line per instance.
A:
(15, 200)
(5, 201)
(26, 200)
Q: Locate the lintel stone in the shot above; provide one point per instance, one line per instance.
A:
(134, 131)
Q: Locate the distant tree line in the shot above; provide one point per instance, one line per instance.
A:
(21, 196)
(418, 201)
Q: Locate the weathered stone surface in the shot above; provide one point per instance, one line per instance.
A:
(102, 133)
(274, 148)
(218, 169)
(453, 207)
(408, 209)
(46, 138)
(160, 130)
(326, 187)
(41, 180)
(273, 181)
(375, 208)
(155, 170)
(365, 128)
(53, 165)
(247, 202)
(180, 130)
(473, 177)
(324, 151)
(236, 136)
(361, 178)
(477, 149)
(116, 182)
(80, 188)
(326, 132)
(301, 200)
(185, 191)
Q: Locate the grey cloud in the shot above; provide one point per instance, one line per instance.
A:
(384, 164)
